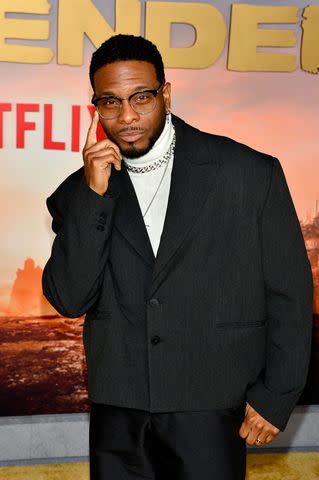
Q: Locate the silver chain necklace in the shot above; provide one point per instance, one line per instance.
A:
(168, 155)
(157, 163)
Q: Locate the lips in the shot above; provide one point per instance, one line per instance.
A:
(131, 135)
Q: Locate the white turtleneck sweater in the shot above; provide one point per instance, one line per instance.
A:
(145, 184)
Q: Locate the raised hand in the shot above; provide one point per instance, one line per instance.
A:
(98, 158)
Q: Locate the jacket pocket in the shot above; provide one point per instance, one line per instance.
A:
(231, 323)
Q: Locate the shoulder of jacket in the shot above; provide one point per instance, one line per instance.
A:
(57, 203)
(68, 185)
(234, 151)
(228, 149)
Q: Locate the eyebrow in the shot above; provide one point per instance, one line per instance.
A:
(136, 89)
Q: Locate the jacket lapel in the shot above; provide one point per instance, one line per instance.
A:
(129, 218)
(193, 176)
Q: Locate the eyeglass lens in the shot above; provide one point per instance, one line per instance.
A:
(141, 102)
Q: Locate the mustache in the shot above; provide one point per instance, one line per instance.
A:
(131, 129)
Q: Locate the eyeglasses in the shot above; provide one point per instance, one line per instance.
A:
(144, 102)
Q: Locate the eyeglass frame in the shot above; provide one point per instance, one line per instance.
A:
(152, 91)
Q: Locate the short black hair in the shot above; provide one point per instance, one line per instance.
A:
(127, 47)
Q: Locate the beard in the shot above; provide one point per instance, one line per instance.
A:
(131, 151)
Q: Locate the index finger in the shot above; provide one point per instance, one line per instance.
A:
(91, 138)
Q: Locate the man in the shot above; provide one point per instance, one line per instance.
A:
(189, 262)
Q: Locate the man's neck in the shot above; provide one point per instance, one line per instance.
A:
(159, 148)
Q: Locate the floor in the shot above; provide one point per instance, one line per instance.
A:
(268, 466)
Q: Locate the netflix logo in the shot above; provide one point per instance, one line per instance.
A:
(24, 126)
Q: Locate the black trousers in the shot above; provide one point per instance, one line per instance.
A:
(132, 444)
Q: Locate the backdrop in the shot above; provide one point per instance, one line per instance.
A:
(248, 71)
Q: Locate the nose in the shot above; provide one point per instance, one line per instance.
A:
(127, 114)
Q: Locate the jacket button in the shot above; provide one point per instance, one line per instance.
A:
(156, 340)
(100, 227)
(153, 302)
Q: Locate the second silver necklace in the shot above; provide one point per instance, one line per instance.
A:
(168, 160)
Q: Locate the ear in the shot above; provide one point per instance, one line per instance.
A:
(167, 96)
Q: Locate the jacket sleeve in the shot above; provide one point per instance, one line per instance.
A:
(289, 300)
(73, 275)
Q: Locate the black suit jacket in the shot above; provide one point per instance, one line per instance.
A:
(222, 315)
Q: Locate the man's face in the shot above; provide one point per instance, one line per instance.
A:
(135, 134)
